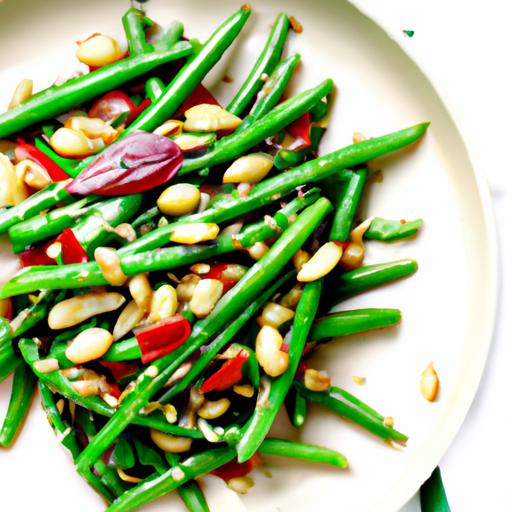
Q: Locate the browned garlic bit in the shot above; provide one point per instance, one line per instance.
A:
(200, 268)
(300, 258)
(75, 310)
(22, 93)
(245, 390)
(258, 250)
(92, 127)
(88, 382)
(209, 118)
(291, 299)
(249, 169)
(275, 315)
(169, 443)
(353, 254)
(268, 351)
(206, 295)
(189, 234)
(179, 199)
(316, 380)
(130, 317)
(110, 266)
(321, 263)
(429, 383)
(98, 50)
(127, 478)
(89, 345)
(126, 232)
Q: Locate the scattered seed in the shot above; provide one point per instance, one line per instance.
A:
(429, 383)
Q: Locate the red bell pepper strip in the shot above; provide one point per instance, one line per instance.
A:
(72, 250)
(300, 129)
(233, 469)
(36, 256)
(120, 369)
(227, 375)
(6, 309)
(24, 151)
(110, 106)
(163, 337)
(198, 96)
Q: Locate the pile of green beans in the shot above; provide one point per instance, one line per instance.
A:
(138, 430)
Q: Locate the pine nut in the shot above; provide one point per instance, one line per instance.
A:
(316, 381)
(241, 484)
(209, 118)
(46, 365)
(214, 409)
(206, 295)
(179, 199)
(89, 345)
(188, 142)
(86, 387)
(170, 413)
(22, 93)
(429, 383)
(258, 250)
(389, 421)
(300, 258)
(171, 126)
(291, 299)
(234, 271)
(353, 256)
(21, 191)
(98, 50)
(141, 291)
(232, 229)
(249, 169)
(92, 127)
(185, 289)
(245, 390)
(357, 379)
(169, 443)
(8, 180)
(321, 263)
(72, 311)
(33, 174)
(129, 318)
(110, 267)
(274, 315)
(164, 303)
(110, 400)
(54, 250)
(200, 268)
(268, 344)
(190, 234)
(204, 201)
(126, 231)
(74, 144)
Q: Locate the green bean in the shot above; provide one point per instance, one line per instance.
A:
(171, 35)
(432, 494)
(296, 407)
(304, 451)
(390, 230)
(229, 307)
(352, 322)
(371, 276)
(45, 198)
(32, 315)
(154, 487)
(23, 386)
(134, 22)
(66, 164)
(154, 88)
(346, 205)
(256, 429)
(193, 497)
(352, 412)
(265, 64)
(236, 144)
(58, 99)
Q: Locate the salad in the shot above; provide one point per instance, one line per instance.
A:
(180, 260)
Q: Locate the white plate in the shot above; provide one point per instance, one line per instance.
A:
(448, 306)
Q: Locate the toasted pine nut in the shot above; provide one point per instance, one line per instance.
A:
(389, 421)
(316, 381)
(72, 311)
(321, 263)
(169, 443)
(258, 250)
(46, 365)
(33, 174)
(245, 390)
(190, 234)
(268, 344)
(98, 50)
(209, 118)
(92, 127)
(214, 409)
(8, 180)
(241, 484)
(206, 295)
(73, 144)
(141, 291)
(249, 169)
(110, 267)
(89, 345)
(179, 199)
(127, 478)
(429, 383)
(204, 201)
(171, 126)
(126, 231)
(185, 289)
(232, 229)
(234, 271)
(274, 315)
(291, 299)
(110, 400)
(353, 256)
(86, 387)
(357, 379)
(358, 137)
(164, 303)
(200, 268)
(129, 318)
(22, 93)
(300, 258)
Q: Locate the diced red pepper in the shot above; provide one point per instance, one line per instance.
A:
(72, 250)
(110, 106)
(217, 272)
(300, 130)
(227, 375)
(36, 256)
(114, 390)
(120, 369)
(161, 338)
(234, 470)
(24, 151)
(198, 96)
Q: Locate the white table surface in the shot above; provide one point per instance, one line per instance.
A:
(464, 47)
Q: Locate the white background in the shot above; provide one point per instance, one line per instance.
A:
(465, 49)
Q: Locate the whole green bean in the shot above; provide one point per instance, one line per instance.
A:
(432, 494)
(22, 392)
(304, 451)
(371, 276)
(58, 99)
(387, 230)
(256, 429)
(265, 64)
(231, 305)
(346, 205)
(154, 487)
(352, 412)
(134, 22)
(352, 322)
